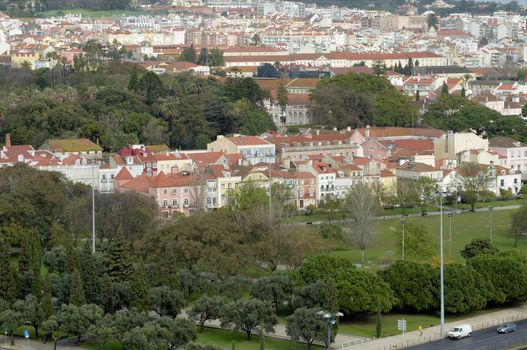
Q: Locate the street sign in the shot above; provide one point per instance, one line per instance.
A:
(26, 334)
(401, 325)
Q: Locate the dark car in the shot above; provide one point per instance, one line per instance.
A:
(507, 327)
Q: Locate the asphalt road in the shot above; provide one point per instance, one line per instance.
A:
(485, 339)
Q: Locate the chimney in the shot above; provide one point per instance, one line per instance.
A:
(367, 131)
(318, 132)
(8, 140)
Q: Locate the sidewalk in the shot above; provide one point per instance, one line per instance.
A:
(432, 333)
(21, 344)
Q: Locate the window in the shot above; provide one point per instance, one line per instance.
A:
(165, 203)
(208, 201)
(502, 182)
(174, 190)
(515, 181)
(185, 202)
(174, 202)
(186, 190)
(311, 191)
(165, 191)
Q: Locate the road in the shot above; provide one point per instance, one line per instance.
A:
(398, 216)
(485, 339)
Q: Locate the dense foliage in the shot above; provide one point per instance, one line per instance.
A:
(116, 105)
(357, 100)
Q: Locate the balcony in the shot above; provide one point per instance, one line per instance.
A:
(317, 147)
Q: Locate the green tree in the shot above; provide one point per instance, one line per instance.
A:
(124, 320)
(8, 286)
(330, 204)
(444, 89)
(141, 288)
(47, 298)
(322, 267)
(248, 315)
(465, 289)
(151, 87)
(475, 179)
(118, 263)
(275, 288)
(76, 290)
(216, 57)
(413, 285)
(165, 301)
(52, 328)
(178, 331)
(78, 319)
(507, 275)
(102, 332)
(425, 188)
(282, 101)
(31, 311)
(478, 247)
(89, 274)
(207, 308)
(418, 242)
(247, 196)
(189, 54)
(306, 325)
(317, 295)
(10, 320)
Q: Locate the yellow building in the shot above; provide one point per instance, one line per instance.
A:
(24, 57)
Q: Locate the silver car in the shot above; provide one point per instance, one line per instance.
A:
(507, 327)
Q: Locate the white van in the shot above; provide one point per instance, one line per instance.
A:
(460, 331)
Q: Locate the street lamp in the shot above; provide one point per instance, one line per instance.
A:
(331, 319)
(441, 269)
(93, 205)
(491, 209)
(402, 223)
(450, 236)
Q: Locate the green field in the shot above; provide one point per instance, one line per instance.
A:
(91, 13)
(465, 227)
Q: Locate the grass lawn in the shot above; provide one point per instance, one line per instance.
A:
(364, 325)
(92, 13)
(465, 227)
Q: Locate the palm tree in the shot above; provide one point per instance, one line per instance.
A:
(168, 109)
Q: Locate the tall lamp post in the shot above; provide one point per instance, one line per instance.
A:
(441, 277)
(450, 236)
(403, 222)
(93, 205)
(331, 319)
(491, 209)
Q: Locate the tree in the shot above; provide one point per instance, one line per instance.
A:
(256, 39)
(9, 321)
(379, 67)
(475, 179)
(418, 242)
(248, 315)
(78, 319)
(282, 101)
(151, 87)
(519, 224)
(413, 285)
(444, 89)
(465, 289)
(478, 247)
(425, 188)
(506, 273)
(47, 298)
(119, 266)
(141, 289)
(89, 274)
(331, 204)
(306, 325)
(52, 328)
(30, 309)
(216, 57)
(432, 21)
(178, 331)
(247, 196)
(165, 301)
(417, 96)
(125, 320)
(207, 308)
(76, 290)
(8, 287)
(322, 267)
(102, 332)
(317, 295)
(362, 203)
(406, 194)
(275, 288)
(189, 54)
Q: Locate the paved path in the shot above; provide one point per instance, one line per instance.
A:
(431, 334)
(398, 216)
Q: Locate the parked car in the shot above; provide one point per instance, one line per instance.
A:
(507, 327)
(460, 331)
